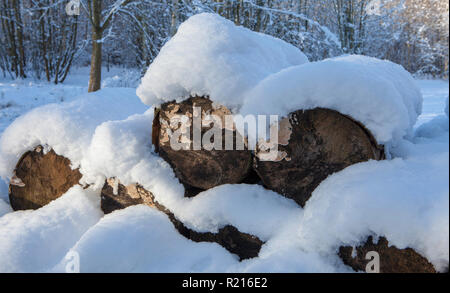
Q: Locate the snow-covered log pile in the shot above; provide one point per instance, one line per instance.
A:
(311, 203)
(375, 103)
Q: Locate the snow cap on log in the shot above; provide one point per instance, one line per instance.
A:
(379, 94)
(211, 56)
(67, 127)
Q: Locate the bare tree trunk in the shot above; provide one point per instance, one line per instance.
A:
(174, 18)
(12, 27)
(259, 16)
(19, 28)
(95, 75)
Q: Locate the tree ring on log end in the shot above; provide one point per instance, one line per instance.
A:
(197, 166)
(39, 178)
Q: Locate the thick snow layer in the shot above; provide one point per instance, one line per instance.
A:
(253, 73)
(209, 55)
(66, 127)
(142, 239)
(240, 205)
(35, 241)
(379, 94)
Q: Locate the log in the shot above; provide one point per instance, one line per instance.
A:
(115, 195)
(392, 259)
(40, 178)
(200, 168)
(312, 145)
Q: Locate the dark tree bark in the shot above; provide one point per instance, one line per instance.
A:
(12, 29)
(95, 74)
(392, 259)
(95, 15)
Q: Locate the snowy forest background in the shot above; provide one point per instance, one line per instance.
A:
(38, 39)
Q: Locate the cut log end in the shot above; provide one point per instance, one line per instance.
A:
(392, 259)
(315, 144)
(196, 166)
(40, 178)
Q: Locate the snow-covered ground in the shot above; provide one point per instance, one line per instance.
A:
(20, 96)
(434, 94)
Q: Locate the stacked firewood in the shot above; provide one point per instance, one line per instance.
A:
(312, 144)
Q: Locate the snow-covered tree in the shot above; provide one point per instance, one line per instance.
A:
(37, 37)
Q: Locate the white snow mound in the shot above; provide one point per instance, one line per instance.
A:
(35, 241)
(379, 94)
(66, 127)
(209, 55)
(142, 239)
